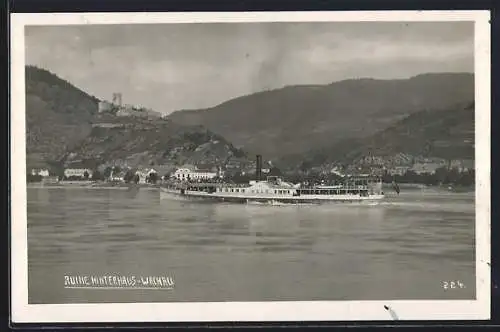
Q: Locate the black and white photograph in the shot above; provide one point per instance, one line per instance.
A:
(250, 166)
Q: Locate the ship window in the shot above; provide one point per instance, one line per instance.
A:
(242, 190)
(237, 190)
(275, 191)
(232, 190)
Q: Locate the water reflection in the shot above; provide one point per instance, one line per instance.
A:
(247, 252)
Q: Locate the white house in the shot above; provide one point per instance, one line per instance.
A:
(187, 173)
(117, 177)
(77, 172)
(41, 172)
(142, 175)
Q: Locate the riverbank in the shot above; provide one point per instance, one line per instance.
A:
(91, 185)
(406, 185)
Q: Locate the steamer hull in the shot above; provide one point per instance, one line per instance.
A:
(289, 196)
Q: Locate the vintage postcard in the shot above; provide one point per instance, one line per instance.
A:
(271, 166)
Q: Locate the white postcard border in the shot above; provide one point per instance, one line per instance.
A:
(22, 312)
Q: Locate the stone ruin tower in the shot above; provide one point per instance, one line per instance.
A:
(117, 99)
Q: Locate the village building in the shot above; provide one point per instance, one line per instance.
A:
(426, 168)
(77, 172)
(117, 176)
(372, 160)
(142, 175)
(189, 172)
(431, 160)
(41, 172)
(234, 164)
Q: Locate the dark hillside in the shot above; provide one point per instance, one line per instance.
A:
(297, 119)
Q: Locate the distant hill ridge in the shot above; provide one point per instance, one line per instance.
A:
(447, 134)
(320, 123)
(296, 119)
(63, 126)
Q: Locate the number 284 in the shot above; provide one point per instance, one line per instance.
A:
(453, 284)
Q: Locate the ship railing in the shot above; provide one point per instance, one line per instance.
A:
(232, 185)
(339, 187)
(334, 191)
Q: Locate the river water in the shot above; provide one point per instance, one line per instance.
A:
(404, 248)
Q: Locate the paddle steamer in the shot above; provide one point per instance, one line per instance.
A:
(275, 190)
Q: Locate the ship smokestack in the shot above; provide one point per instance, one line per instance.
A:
(258, 170)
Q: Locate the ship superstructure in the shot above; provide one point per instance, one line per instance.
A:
(275, 189)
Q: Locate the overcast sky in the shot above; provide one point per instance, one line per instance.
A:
(184, 66)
